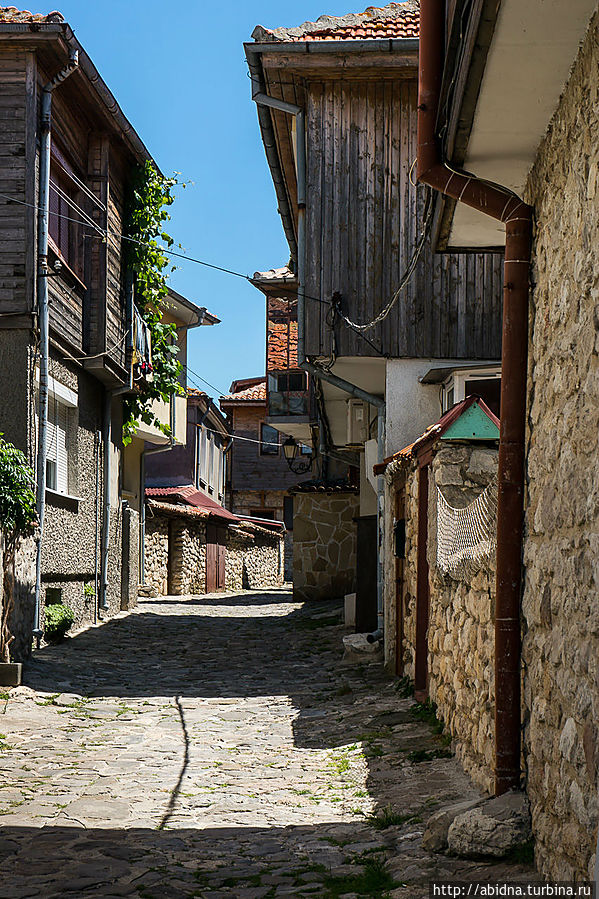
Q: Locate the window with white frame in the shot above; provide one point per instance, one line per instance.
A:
(482, 382)
(62, 404)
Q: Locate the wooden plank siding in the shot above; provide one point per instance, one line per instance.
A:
(14, 139)
(364, 216)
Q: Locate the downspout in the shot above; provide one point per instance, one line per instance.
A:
(107, 440)
(43, 314)
(505, 206)
(262, 99)
(102, 597)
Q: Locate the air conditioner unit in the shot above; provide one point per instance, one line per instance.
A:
(357, 422)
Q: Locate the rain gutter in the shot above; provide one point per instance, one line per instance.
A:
(265, 103)
(503, 205)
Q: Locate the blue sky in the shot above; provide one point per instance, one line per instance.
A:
(179, 73)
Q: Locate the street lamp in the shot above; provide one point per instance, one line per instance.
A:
(291, 451)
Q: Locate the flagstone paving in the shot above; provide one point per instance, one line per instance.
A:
(217, 746)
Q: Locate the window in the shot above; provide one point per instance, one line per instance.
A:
(485, 383)
(63, 222)
(288, 512)
(269, 440)
(266, 514)
(60, 437)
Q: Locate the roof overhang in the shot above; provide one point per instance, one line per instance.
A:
(53, 41)
(279, 68)
(505, 72)
(190, 315)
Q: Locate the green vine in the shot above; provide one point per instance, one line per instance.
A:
(150, 198)
(17, 516)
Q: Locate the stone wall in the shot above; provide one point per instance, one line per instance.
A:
(254, 560)
(19, 580)
(461, 637)
(324, 544)
(561, 553)
(253, 557)
(156, 553)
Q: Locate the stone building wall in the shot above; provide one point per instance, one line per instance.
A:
(324, 544)
(410, 571)
(254, 561)
(19, 580)
(561, 552)
(187, 547)
(253, 557)
(461, 619)
(156, 553)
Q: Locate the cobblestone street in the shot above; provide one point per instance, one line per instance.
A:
(218, 747)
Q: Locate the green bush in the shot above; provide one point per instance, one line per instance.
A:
(59, 619)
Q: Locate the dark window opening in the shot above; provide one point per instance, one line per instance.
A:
(288, 512)
(269, 440)
(488, 389)
(268, 514)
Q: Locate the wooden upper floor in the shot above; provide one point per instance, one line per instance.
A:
(364, 214)
(94, 155)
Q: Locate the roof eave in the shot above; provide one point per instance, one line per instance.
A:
(64, 32)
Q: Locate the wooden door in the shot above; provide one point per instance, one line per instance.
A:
(366, 575)
(399, 548)
(211, 558)
(221, 555)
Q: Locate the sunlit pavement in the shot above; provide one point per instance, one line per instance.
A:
(217, 746)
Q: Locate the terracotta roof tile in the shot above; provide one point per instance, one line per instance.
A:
(254, 393)
(394, 21)
(10, 14)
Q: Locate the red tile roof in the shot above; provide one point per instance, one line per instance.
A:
(255, 393)
(189, 496)
(10, 14)
(394, 21)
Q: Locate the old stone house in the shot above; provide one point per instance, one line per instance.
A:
(258, 476)
(336, 102)
(534, 71)
(194, 546)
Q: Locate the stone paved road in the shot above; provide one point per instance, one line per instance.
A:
(217, 747)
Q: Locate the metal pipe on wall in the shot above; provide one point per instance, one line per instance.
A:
(44, 317)
(107, 474)
(262, 99)
(503, 205)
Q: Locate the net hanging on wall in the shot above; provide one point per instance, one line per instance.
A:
(466, 536)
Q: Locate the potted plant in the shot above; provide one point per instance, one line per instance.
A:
(59, 618)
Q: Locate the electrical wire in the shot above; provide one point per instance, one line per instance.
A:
(417, 252)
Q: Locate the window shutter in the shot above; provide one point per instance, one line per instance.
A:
(62, 466)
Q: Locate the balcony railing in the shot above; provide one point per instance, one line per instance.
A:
(293, 402)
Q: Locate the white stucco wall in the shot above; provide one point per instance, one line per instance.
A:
(411, 406)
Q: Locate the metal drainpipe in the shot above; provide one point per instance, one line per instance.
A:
(43, 314)
(107, 440)
(262, 99)
(517, 216)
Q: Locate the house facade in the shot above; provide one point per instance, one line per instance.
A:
(258, 476)
(544, 162)
(337, 107)
(67, 316)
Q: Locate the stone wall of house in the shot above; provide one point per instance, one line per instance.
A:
(561, 553)
(19, 580)
(324, 544)
(187, 548)
(410, 571)
(461, 618)
(254, 560)
(253, 557)
(156, 553)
